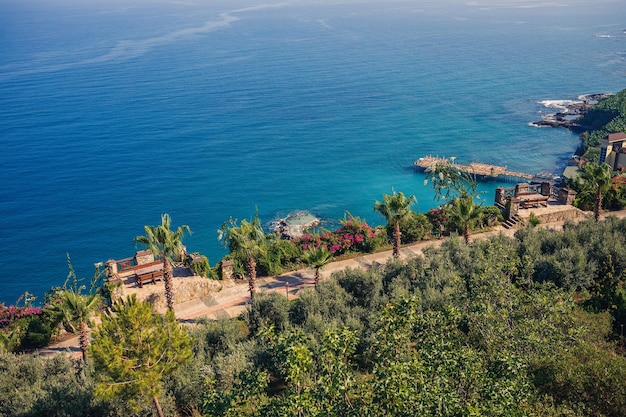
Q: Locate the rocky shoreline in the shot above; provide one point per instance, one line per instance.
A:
(569, 112)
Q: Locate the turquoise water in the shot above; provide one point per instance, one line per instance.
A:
(115, 112)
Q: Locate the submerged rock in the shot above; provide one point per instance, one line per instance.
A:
(295, 224)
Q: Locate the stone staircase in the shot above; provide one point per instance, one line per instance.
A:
(513, 223)
(500, 206)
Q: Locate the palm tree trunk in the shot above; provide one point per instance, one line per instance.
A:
(597, 206)
(317, 278)
(466, 234)
(396, 239)
(83, 339)
(169, 285)
(155, 400)
(252, 277)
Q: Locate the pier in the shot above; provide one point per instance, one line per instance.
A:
(475, 168)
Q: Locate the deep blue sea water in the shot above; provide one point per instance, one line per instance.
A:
(112, 113)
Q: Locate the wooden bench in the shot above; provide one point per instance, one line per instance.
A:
(149, 276)
(149, 272)
(146, 266)
(539, 200)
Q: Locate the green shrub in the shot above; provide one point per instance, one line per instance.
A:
(279, 255)
(533, 220)
(490, 216)
(38, 333)
(414, 228)
(365, 287)
(199, 265)
(268, 309)
(35, 386)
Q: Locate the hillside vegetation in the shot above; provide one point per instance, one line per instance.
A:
(524, 326)
(607, 116)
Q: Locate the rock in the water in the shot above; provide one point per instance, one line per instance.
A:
(295, 224)
(569, 112)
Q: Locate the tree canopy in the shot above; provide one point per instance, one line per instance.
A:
(395, 207)
(246, 240)
(168, 244)
(523, 326)
(133, 351)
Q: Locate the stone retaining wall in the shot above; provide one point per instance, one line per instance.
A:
(185, 289)
(572, 213)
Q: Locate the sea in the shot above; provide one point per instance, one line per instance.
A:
(115, 112)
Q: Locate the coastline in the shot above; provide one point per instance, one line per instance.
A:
(569, 111)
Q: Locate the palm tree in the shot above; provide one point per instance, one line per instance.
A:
(245, 241)
(77, 312)
(597, 180)
(77, 309)
(318, 258)
(168, 244)
(466, 213)
(394, 208)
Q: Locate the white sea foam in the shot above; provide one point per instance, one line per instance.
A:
(129, 49)
(324, 24)
(559, 104)
(260, 7)
(515, 4)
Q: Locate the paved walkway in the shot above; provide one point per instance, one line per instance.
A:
(232, 301)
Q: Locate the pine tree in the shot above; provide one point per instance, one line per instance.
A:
(133, 349)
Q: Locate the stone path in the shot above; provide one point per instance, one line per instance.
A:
(232, 301)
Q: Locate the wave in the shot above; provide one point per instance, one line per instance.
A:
(323, 23)
(129, 49)
(535, 124)
(559, 104)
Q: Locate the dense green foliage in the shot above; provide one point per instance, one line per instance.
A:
(273, 255)
(25, 327)
(596, 180)
(599, 188)
(200, 266)
(481, 329)
(133, 349)
(530, 326)
(607, 116)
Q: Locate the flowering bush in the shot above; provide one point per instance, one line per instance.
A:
(354, 235)
(439, 219)
(23, 328)
(10, 314)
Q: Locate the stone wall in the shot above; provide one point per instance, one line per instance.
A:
(144, 257)
(560, 216)
(185, 289)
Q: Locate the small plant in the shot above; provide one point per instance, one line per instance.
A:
(199, 265)
(533, 220)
